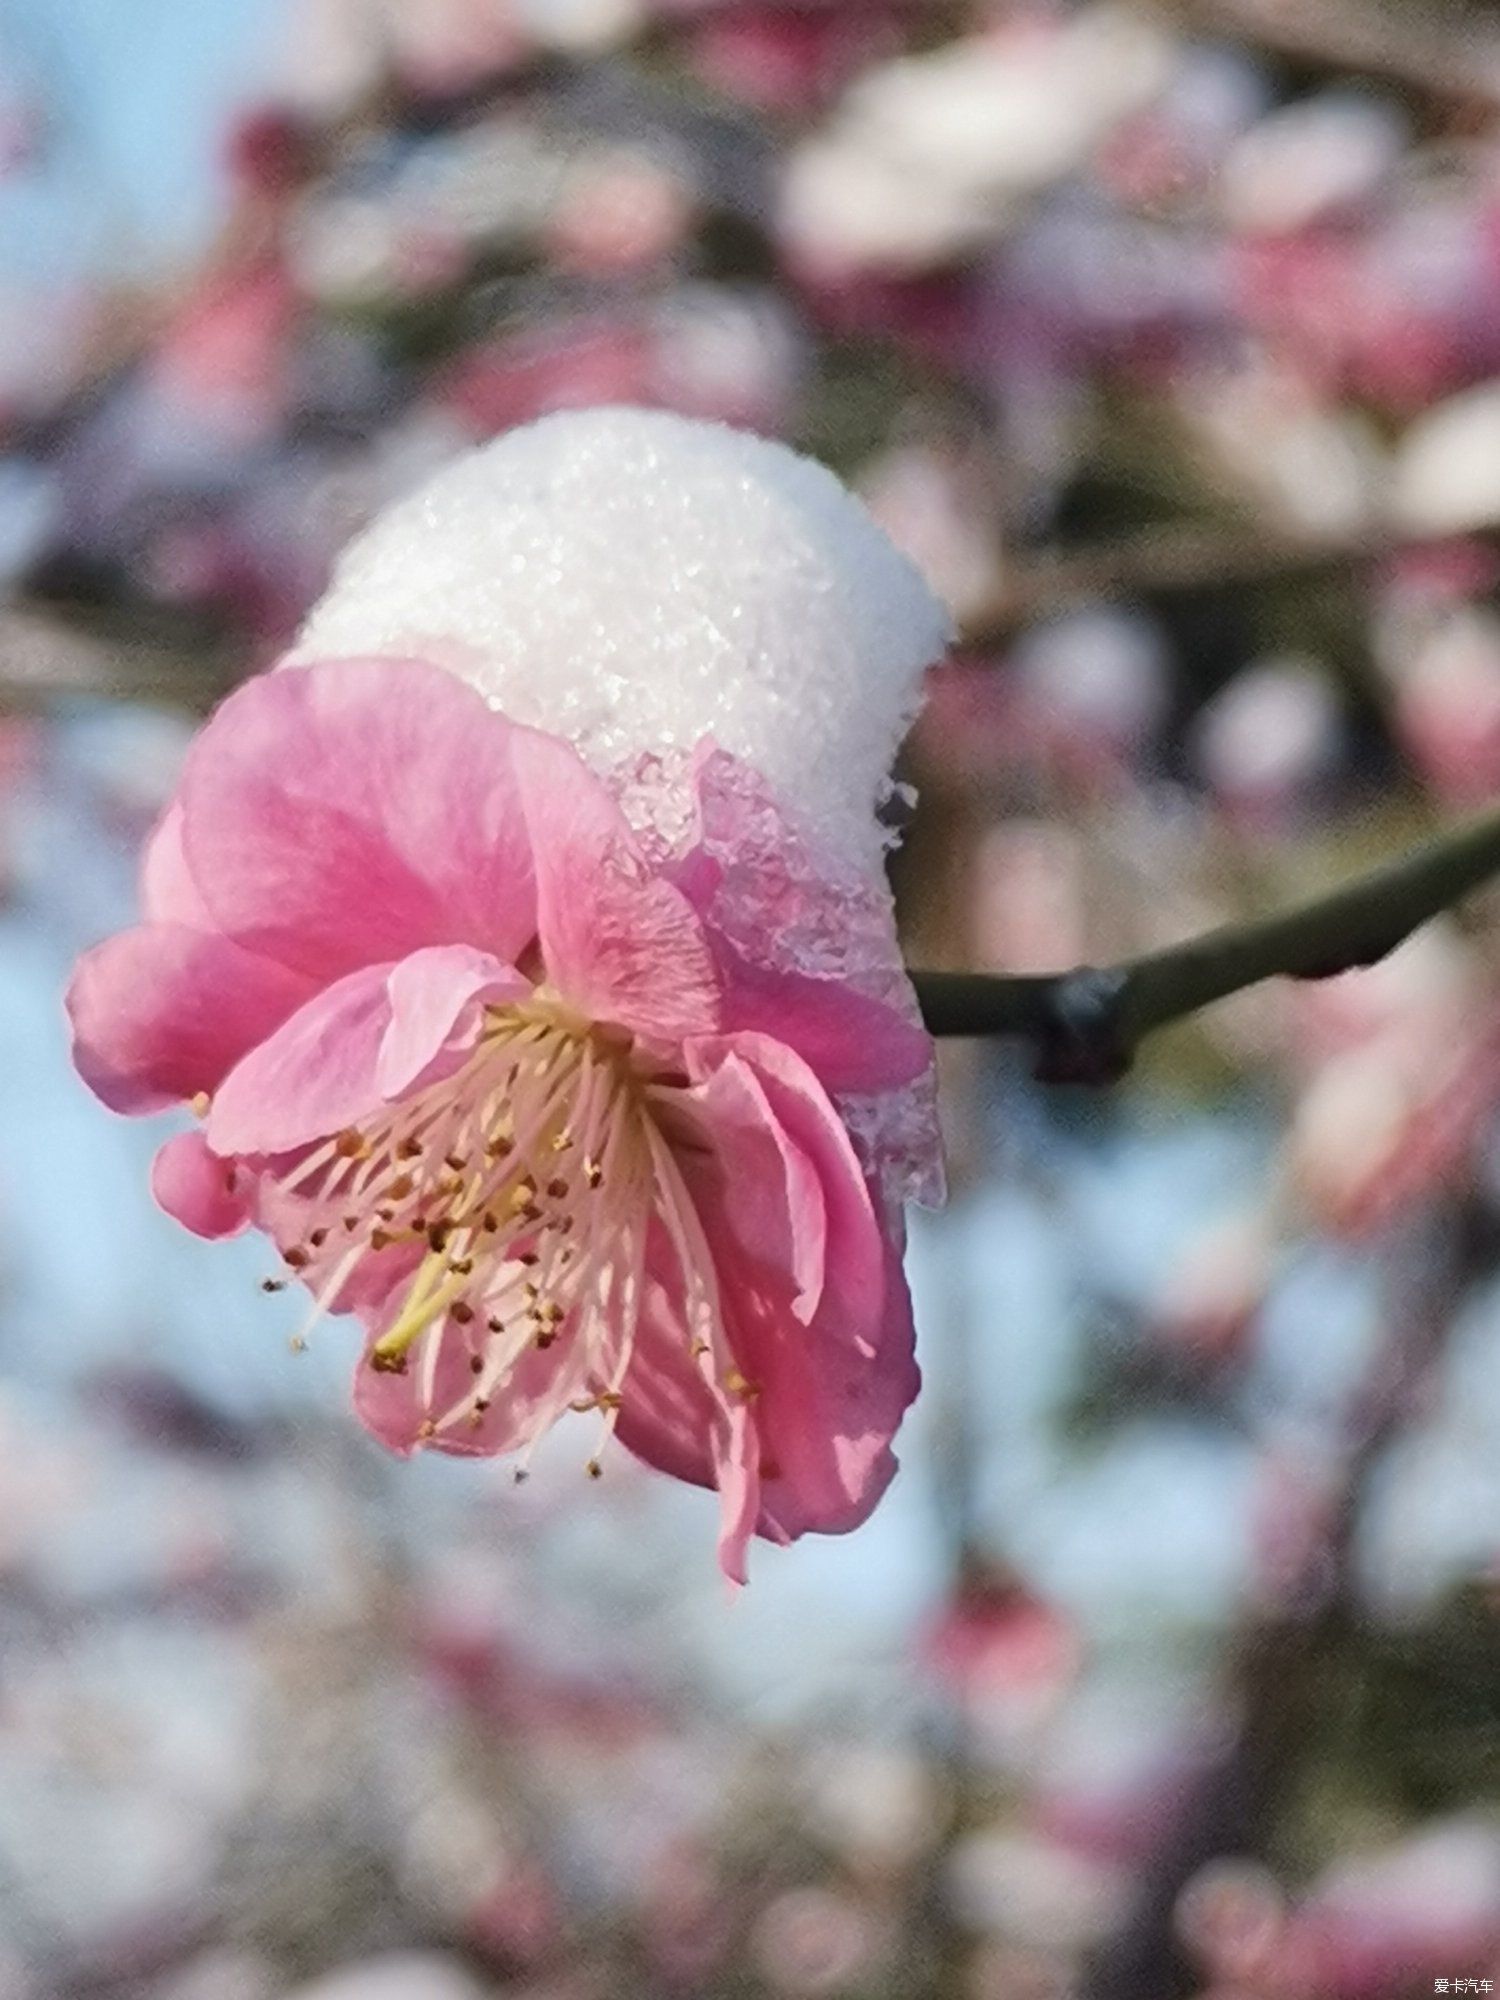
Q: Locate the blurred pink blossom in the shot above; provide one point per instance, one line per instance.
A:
(1028, 909)
(1231, 1916)
(225, 360)
(1377, 1925)
(1004, 1652)
(814, 1942)
(784, 61)
(493, 388)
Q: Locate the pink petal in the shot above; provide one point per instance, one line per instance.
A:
(394, 1408)
(830, 1395)
(668, 1415)
(292, 1219)
(315, 1076)
(169, 895)
(376, 1279)
(671, 1421)
(161, 1012)
(352, 811)
(438, 998)
(391, 1406)
(825, 1491)
(851, 1042)
(737, 1475)
(790, 1111)
(197, 1188)
(783, 896)
(770, 1189)
(809, 1444)
(368, 1039)
(619, 943)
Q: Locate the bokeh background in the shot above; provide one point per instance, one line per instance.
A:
(1168, 342)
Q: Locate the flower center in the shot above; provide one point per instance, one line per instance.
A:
(521, 1189)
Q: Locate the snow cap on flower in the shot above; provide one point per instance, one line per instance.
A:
(635, 582)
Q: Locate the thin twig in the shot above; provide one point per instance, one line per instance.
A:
(1167, 560)
(1455, 62)
(44, 658)
(1085, 1025)
(46, 653)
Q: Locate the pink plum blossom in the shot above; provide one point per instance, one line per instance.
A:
(484, 1067)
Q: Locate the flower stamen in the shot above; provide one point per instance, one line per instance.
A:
(512, 1255)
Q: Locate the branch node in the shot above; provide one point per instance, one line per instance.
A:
(1081, 1033)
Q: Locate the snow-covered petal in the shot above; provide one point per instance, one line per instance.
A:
(620, 943)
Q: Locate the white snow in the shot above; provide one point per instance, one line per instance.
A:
(636, 581)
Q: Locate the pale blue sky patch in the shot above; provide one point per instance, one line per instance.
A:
(135, 97)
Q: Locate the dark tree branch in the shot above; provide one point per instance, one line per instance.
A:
(1085, 1025)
